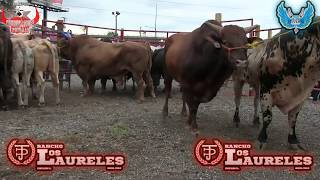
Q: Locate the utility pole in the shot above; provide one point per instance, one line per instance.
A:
(155, 20)
(64, 18)
(116, 14)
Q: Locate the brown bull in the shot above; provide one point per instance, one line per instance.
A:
(5, 62)
(94, 59)
(201, 61)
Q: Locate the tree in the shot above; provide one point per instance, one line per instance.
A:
(112, 34)
(7, 4)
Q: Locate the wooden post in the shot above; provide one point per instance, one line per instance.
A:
(269, 34)
(218, 17)
(257, 32)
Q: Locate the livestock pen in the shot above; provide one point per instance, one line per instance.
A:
(155, 148)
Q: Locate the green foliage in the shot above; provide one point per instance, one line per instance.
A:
(7, 4)
(112, 34)
(119, 130)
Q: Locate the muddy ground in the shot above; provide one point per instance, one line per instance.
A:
(156, 148)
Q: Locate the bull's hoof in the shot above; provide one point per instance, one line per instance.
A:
(256, 122)
(140, 101)
(296, 147)
(236, 120)
(23, 106)
(195, 131)
(85, 95)
(183, 114)
(261, 145)
(5, 108)
(165, 114)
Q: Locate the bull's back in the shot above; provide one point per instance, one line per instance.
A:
(175, 54)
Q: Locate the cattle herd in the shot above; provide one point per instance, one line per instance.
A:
(282, 70)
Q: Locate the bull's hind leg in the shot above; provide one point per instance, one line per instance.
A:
(55, 83)
(193, 109)
(103, 82)
(41, 85)
(133, 84)
(292, 137)
(84, 87)
(19, 88)
(91, 84)
(114, 85)
(26, 81)
(256, 121)
(168, 87)
(184, 109)
(148, 79)
(140, 92)
(266, 108)
(1, 95)
(238, 85)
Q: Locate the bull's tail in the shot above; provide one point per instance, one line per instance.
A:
(3, 56)
(5, 59)
(23, 48)
(149, 57)
(154, 54)
(53, 53)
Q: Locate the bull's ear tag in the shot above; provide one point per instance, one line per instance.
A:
(216, 45)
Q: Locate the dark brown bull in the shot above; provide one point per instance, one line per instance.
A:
(5, 61)
(201, 61)
(94, 59)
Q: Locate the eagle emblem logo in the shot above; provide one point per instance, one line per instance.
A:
(295, 22)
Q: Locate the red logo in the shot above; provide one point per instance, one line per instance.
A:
(47, 156)
(21, 154)
(208, 152)
(20, 24)
(236, 156)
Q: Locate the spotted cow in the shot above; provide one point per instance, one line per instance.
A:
(248, 74)
(287, 68)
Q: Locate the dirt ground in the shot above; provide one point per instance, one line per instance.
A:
(114, 122)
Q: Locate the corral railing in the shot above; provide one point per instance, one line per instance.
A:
(155, 38)
(100, 32)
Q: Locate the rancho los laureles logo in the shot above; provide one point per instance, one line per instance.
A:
(210, 152)
(49, 155)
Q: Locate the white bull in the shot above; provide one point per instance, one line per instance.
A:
(45, 60)
(248, 75)
(22, 65)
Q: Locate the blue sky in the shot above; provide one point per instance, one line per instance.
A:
(175, 15)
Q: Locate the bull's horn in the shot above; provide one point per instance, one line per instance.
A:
(215, 27)
(251, 28)
(36, 19)
(3, 15)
